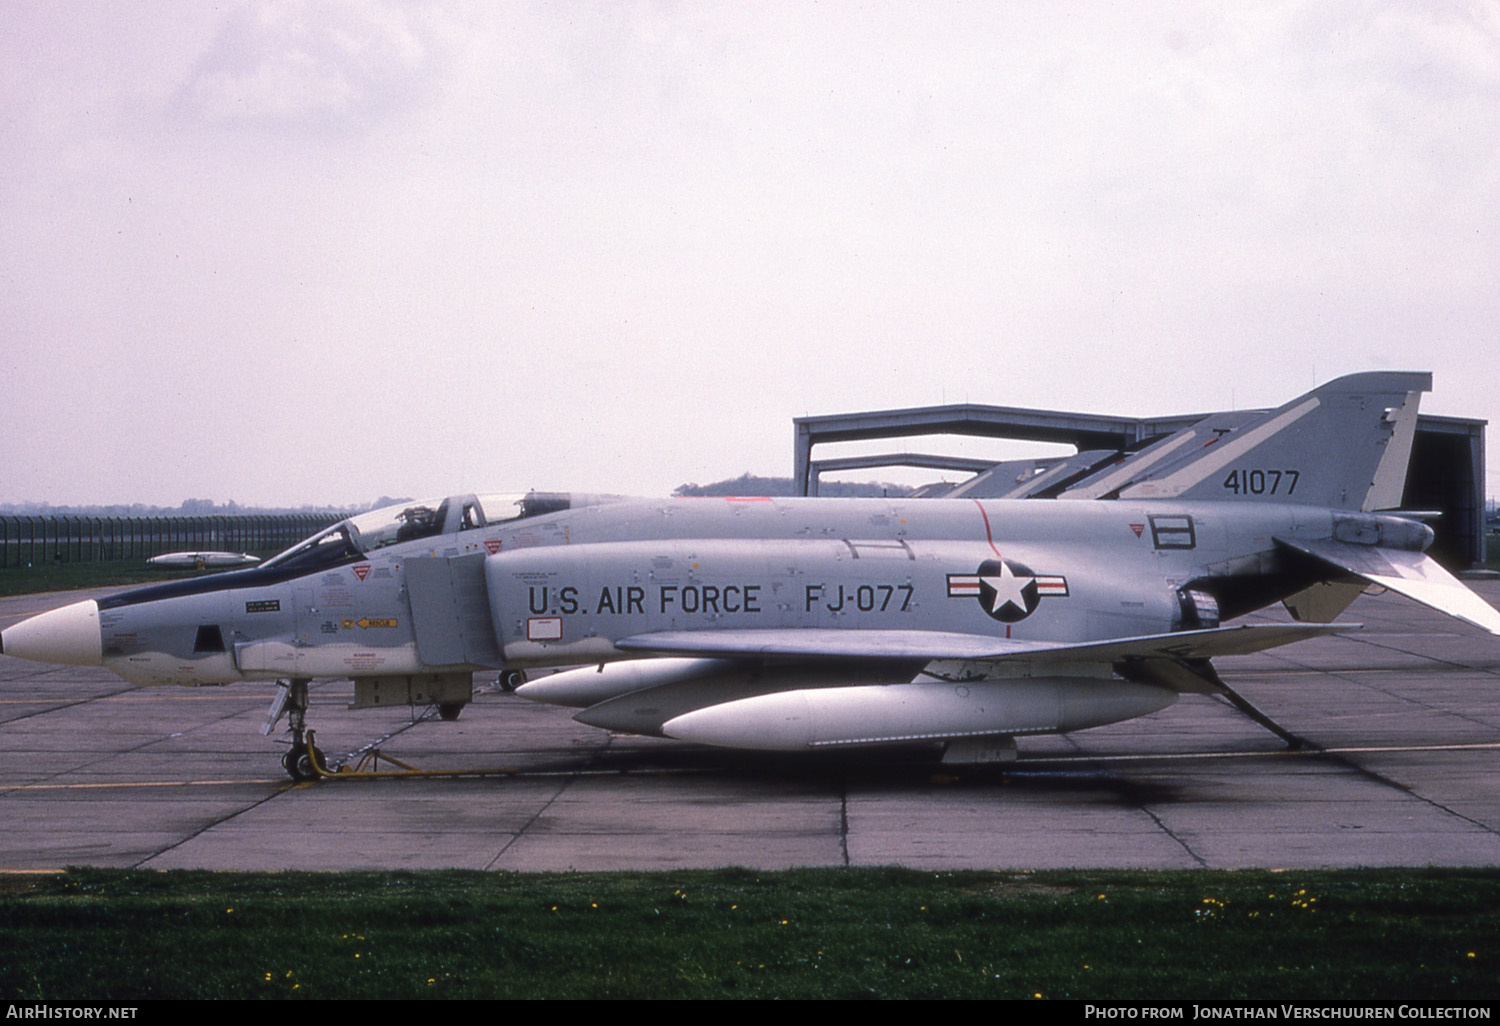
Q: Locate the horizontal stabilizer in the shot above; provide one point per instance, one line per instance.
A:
(1414, 574)
(814, 643)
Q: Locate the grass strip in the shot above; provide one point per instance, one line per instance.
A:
(1328, 935)
(31, 580)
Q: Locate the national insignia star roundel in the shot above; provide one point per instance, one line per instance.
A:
(1007, 591)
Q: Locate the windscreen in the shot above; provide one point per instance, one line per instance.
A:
(358, 536)
(326, 548)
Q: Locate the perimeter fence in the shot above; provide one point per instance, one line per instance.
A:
(40, 540)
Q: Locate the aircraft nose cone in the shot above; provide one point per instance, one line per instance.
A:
(69, 635)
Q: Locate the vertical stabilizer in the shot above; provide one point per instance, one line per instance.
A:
(1344, 445)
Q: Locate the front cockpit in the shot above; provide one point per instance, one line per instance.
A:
(330, 547)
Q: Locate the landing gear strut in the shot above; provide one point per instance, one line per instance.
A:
(304, 760)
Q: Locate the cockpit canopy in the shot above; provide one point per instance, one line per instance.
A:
(364, 533)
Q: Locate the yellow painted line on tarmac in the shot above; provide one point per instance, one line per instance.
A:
(1476, 746)
(143, 784)
(1275, 753)
(135, 696)
(53, 699)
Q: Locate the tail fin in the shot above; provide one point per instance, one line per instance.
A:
(1344, 445)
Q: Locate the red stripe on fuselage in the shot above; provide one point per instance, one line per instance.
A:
(987, 535)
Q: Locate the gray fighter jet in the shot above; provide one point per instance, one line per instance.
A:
(805, 624)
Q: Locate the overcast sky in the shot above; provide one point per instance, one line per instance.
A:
(285, 252)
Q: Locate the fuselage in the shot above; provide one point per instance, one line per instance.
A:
(562, 584)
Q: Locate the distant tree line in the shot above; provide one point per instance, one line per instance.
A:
(751, 485)
(188, 508)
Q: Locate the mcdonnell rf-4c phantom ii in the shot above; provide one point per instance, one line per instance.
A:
(806, 624)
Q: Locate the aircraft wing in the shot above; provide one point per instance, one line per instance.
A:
(815, 643)
(797, 689)
(1414, 574)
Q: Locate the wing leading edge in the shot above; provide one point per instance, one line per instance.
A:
(927, 645)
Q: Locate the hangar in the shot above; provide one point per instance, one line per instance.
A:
(1446, 475)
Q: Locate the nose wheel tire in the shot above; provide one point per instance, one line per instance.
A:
(303, 762)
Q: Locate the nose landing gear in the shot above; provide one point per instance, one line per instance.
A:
(304, 760)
